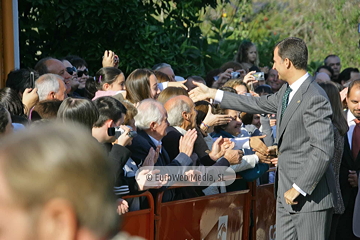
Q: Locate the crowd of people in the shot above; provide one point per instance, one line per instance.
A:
(73, 145)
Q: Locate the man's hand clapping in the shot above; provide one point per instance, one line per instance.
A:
(186, 142)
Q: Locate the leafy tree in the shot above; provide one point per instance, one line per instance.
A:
(142, 33)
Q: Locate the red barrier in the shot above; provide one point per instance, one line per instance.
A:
(220, 216)
(264, 211)
(141, 222)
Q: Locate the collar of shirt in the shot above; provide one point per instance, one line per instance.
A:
(296, 85)
(350, 118)
(181, 130)
(156, 142)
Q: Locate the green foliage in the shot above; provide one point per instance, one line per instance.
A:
(142, 33)
(194, 36)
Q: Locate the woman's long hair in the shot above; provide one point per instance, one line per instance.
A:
(338, 117)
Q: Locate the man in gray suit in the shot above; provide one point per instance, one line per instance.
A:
(305, 142)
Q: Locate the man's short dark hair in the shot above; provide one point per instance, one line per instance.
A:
(109, 108)
(41, 66)
(345, 74)
(329, 56)
(295, 50)
(4, 118)
(76, 61)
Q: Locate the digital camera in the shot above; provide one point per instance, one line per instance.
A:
(117, 132)
(235, 75)
(259, 76)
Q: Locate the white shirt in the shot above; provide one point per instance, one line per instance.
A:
(351, 123)
(156, 142)
(296, 85)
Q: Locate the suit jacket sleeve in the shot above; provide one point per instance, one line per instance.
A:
(318, 126)
(254, 105)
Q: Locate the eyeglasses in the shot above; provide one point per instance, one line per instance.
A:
(85, 71)
(71, 70)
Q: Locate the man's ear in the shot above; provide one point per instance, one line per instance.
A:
(288, 63)
(185, 115)
(109, 123)
(57, 220)
(153, 125)
(51, 95)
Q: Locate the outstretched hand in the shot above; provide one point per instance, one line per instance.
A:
(216, 119)
(258, 145)
(202, 92)
(180, 84)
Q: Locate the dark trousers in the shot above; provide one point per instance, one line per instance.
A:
(344, 230)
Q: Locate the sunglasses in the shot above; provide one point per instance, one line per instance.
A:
(84, 72)
(71, 70)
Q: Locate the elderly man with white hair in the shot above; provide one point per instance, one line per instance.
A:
(182, 117)
(151, 123)
(50, 86)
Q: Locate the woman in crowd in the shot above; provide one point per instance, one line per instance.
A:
(12, 102)
(340, 129)
(141, 84)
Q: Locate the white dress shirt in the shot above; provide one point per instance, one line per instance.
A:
(351, 123)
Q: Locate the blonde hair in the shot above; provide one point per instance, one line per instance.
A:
(58, 161)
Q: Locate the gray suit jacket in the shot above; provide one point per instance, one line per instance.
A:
(305, 141)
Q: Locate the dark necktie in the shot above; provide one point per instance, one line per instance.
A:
(285, 100)
(355, 145)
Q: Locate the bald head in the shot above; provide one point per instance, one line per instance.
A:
(322, 77)
(181, 112)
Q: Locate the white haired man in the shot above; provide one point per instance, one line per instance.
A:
(50, 86)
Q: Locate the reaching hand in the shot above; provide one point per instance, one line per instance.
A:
(249, 78)
(186, 142)
(223, 78)
(258, 145)
(274, 161)
(219, 148)
(265, 158)
(273, 150)
(123, 206)
(202, 92)
(233, 156)
(110, 59)
(178, 84)
(30, 98)
(216, 120)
